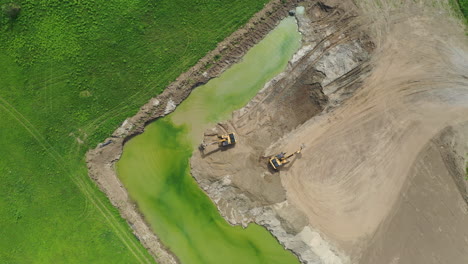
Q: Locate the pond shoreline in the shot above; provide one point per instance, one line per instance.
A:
(101, 161)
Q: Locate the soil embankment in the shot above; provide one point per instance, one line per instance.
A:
(102, 159)
(370, 176)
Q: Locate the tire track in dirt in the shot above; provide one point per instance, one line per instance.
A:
(85, 188)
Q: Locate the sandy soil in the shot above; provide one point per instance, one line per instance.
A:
(428, 224)
(371, 180)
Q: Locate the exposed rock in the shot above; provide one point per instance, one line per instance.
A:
(170, 106)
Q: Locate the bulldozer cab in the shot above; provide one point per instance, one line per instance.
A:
(275, 163)
(223, 141)
(281, 155)
(227, 140)
(280, 159)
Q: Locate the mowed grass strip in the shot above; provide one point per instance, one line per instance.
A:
(70, 73)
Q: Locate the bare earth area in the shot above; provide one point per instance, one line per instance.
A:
(378, 94)
(428, 224)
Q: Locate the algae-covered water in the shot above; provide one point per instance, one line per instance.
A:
(154, 166)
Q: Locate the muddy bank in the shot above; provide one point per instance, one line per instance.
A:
(101, 160)
(366, 114)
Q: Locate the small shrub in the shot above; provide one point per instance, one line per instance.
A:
(208, 66)
(466, 167)
(466, 171)
(11, 10)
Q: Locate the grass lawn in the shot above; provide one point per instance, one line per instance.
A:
(70, 73)
(463, 6)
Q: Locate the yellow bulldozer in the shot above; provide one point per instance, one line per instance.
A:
(279, 160)
(223, 141)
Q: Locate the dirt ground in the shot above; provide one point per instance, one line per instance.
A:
(380, 179)
(428, 224)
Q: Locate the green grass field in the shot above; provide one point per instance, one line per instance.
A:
(462, 6)
(464, 9)
(77, 69)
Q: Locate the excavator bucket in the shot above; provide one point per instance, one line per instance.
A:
(202, 146)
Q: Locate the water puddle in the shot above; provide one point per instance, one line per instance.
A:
(300, 10)
(155, 165)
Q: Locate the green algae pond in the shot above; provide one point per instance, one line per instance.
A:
(155, 168)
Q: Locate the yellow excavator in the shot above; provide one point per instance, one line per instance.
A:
(278, 161)
(223, 141)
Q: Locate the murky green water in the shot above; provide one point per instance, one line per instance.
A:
(155, 165)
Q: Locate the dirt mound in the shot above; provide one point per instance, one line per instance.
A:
(362, 154)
